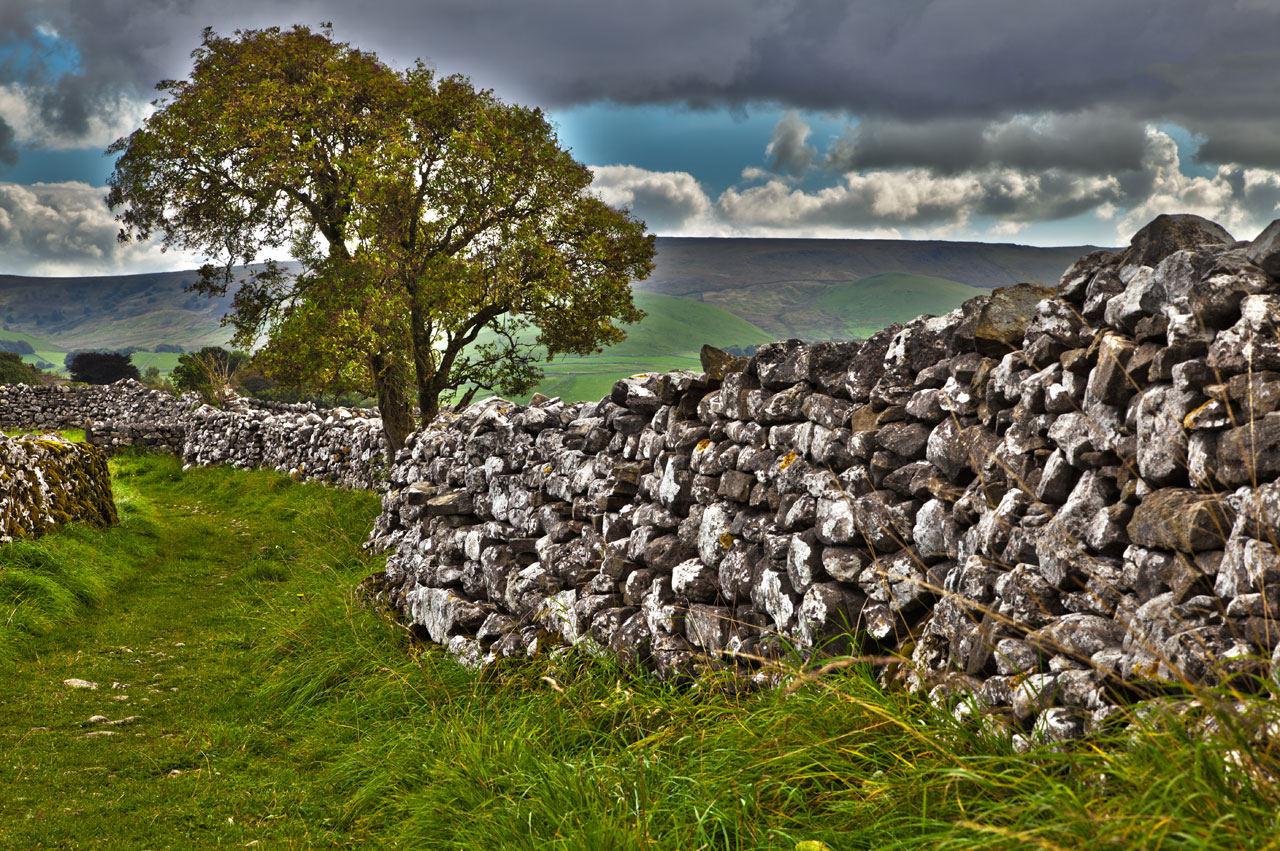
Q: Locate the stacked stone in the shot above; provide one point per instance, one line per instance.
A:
(340, 447)
(131, 414)
(40, 407)
(122, 414)
(1050, 500)
(45, 480)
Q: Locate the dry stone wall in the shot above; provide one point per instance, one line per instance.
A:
(1048, 500)
(122, 414)
(340, 446)
(45, 480)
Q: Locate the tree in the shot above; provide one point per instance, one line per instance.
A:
(209, 372)
(101, 367)
(446, 239)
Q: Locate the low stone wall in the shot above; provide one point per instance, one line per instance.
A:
(340, 446)
(1048, 501)
(45, 480)
(122, 414)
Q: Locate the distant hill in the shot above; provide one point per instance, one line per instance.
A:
(112, 312)
(743, 292)
(691, 265)
(784, 285)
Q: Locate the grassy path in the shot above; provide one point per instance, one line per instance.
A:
(246, 699)
(184, 758)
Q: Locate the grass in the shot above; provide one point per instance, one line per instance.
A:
(273, 707)
(668, 338)
(869, 304)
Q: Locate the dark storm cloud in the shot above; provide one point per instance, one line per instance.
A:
(8, 150)
(1087, 142)
(1210, 66)
(93, 58)
(1254, 141)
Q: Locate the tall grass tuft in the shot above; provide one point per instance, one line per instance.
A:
(52, 580)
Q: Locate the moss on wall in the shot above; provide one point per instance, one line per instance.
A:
(47, 480)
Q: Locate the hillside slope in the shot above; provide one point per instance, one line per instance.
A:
(112, 312)
(785, 286)
(669, 337)
(691, 265)
(808, 288)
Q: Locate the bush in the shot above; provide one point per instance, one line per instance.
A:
(14, 371)
(153, 379)
(209, 372)
(100, 367)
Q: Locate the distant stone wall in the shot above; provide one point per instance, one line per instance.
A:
(340, 446)
(1049, 501)
(125, 413)
(45, 480)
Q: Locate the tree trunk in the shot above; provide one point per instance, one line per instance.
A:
(428, 404)
(424, 368)
(397, 414)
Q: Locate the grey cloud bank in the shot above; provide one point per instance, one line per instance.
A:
(966, 118)
(1208, 66)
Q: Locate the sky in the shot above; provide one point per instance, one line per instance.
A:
(1041, 122)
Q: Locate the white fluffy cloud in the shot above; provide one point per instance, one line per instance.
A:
(917, 198)
(1243, 200)
(998, 194)
(66, 229)
(668, 201)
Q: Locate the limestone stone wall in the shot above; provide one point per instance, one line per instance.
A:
(45, 480)
(1048, 500)
(124, 413)
(340, 446)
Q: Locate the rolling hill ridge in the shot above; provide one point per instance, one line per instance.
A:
(727, 292)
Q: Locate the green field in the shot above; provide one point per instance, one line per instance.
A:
(668, 338)
(844, 310)
(164, 361)
(675, 329)
(869, 304)
(51, 352)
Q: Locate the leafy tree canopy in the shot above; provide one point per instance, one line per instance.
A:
(447, 240)
(101, 367)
